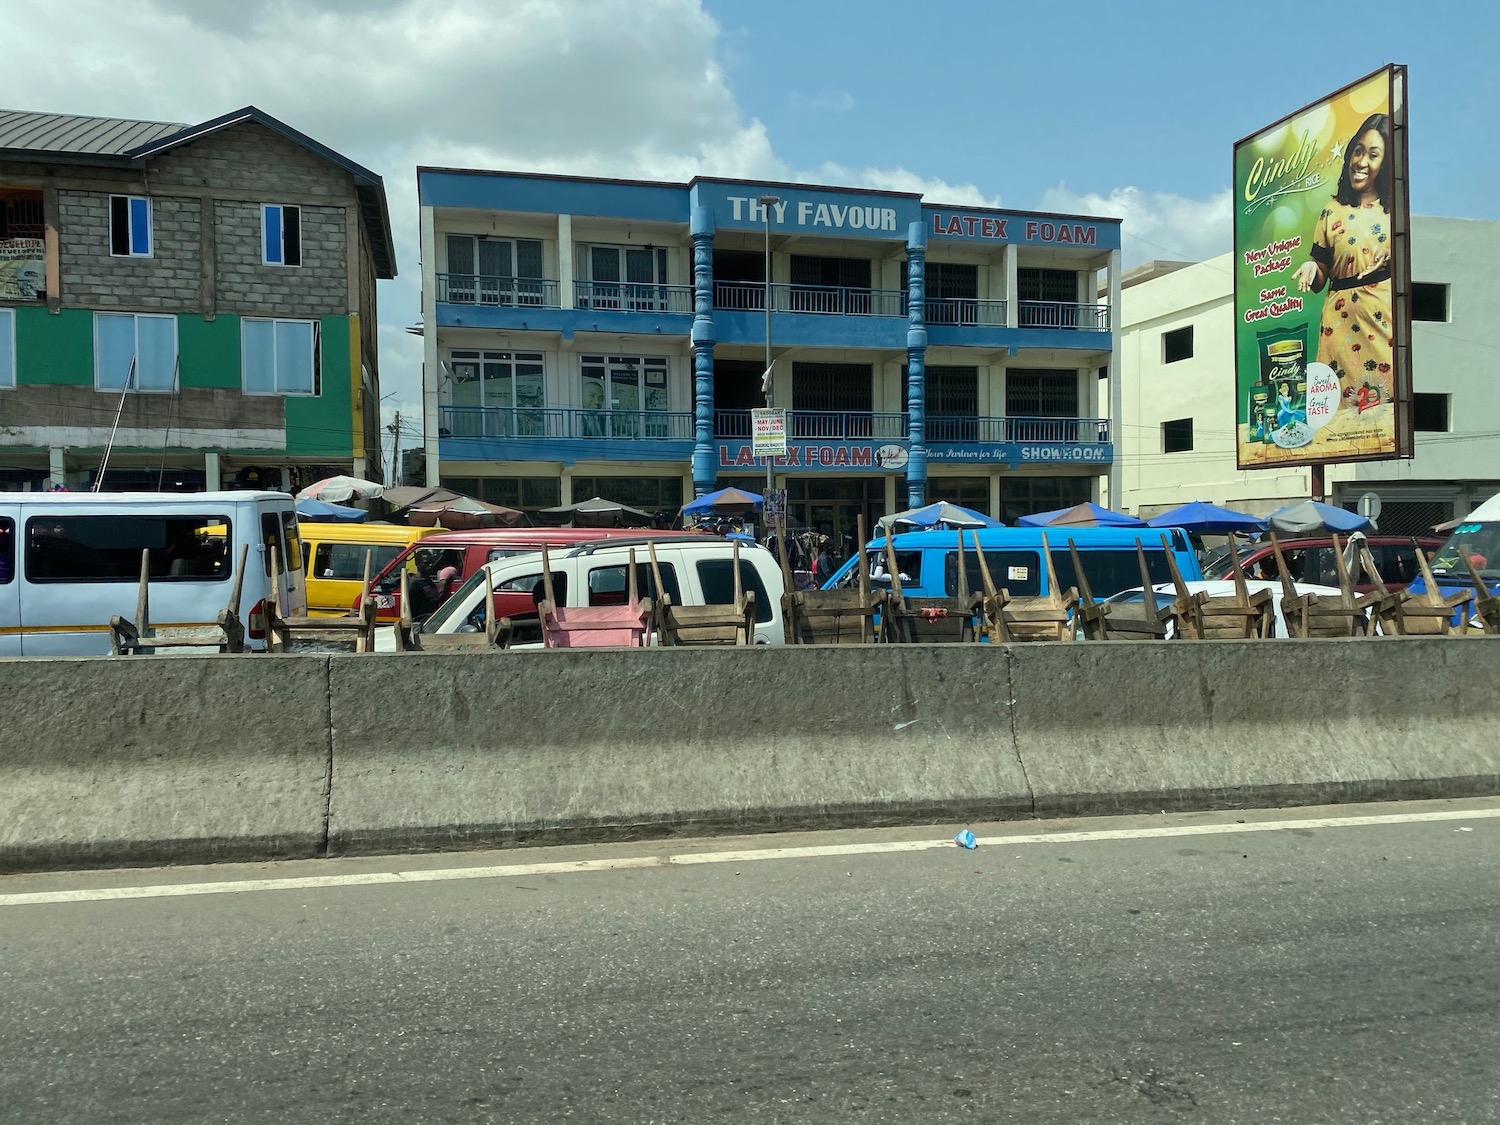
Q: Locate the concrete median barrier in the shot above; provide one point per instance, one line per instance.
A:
(1226, 724)
(162, 759)
(444, 750)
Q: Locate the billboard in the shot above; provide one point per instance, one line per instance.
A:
(1321, 278)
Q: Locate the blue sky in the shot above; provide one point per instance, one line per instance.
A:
(1127, 109)
(1095, 98)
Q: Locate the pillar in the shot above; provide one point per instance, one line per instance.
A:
(916, 359)
(213, 477)
(705, 467)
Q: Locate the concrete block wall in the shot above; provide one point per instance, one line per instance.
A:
(168, 281)
(249, 287)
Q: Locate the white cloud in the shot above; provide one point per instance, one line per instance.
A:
(829, 101)
(1155, 224)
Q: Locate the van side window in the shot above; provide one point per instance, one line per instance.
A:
(1016, 571)
(716, 576)
(187, 548)
(292, 535)
(532, 584)
(1110, 571)
(346, 561)
(7, 550)
(607, 584)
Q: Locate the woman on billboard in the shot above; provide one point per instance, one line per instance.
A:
(1351, 255)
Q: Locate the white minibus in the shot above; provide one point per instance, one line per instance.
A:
(71, 560)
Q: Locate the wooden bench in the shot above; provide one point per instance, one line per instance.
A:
(496, 634)
(688, 625)
(1240, 616)
(929, 620)
(287, 631)
(1402, 613)
(140, 637)
(595, 626)
(831, 617)
(1322, 615)
(1486, 612)
(1045, 617)
(1118, 621)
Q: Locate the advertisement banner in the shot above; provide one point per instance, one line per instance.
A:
(768, 432)
(23, 272)
(1321, 269)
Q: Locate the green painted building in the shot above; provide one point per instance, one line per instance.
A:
(198, 299)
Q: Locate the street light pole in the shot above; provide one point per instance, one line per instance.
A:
(766, 203)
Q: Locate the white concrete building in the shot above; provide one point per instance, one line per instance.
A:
(1176, 421)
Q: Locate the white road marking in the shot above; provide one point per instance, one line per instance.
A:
(518, 870)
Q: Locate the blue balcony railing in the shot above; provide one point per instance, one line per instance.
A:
(542, 423)
(482, 289)
(834, 300)
(620, 296)
(965, 312)
(1062, 314)
(825, 425)
(992, 431)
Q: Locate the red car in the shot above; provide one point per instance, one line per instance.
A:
(1311, 560)
(449, 557)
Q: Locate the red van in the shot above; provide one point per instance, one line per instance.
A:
(447, 558)
(1311, 560)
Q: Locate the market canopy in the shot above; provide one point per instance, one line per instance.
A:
(726, 501)
(433, 506)
(319, 511)
(1081, 515)
(1200, 518)
(1313, 518)
(940, 514)
(596, 512)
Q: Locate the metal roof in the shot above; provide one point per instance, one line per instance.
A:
(109, 140)
(72, 133)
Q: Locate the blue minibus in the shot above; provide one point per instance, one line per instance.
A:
(1475, 540)
(928, 560)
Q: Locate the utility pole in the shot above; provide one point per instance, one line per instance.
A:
(395, 428)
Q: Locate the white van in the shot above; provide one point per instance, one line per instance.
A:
(696, 570)
(69, 561)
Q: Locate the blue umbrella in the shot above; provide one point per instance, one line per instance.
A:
(1081, 515)
(725, 500)
(1312, 518)
(1198, 518)
(320, 511)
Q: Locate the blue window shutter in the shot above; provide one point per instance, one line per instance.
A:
(273, 233)
(140, 226)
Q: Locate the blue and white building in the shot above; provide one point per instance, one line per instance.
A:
(606, 337)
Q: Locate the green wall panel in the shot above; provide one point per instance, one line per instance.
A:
(209, 351)
(54, 348)
(324, 426)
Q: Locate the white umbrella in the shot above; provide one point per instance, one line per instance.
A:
(341, 489)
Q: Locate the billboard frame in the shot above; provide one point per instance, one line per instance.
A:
(1400, 218)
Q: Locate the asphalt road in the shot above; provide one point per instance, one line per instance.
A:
(1301, 974)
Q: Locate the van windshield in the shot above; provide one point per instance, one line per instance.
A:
(1478, 543)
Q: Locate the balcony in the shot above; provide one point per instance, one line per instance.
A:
(830, 300)
(552, 423)
(965, 312)
(498, 292)
(1062, 314)
(618, 296)
(816, 439)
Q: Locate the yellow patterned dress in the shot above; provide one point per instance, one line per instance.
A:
(1353, 245)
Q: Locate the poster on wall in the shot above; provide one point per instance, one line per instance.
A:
(23, 273)
(1321, 280)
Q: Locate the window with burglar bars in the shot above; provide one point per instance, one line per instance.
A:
(1041, 394)
(942, 281)
(852, 273)
(1047, 285)
(832, 387)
